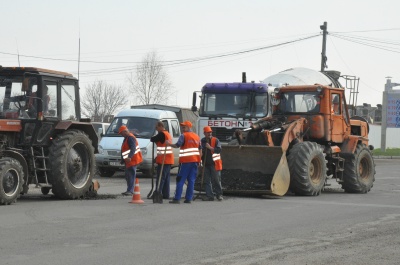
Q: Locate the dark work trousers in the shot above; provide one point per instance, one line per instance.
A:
(165, 178)
(212, 180)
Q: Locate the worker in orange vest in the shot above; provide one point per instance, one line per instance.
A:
(212, 163)
(161, 139)
(189, 159)
(131, 156)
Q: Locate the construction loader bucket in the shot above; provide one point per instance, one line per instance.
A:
(254, 170)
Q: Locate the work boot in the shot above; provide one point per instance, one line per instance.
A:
(207, 199)
(175, 201)
(187, 201)
(220, 198)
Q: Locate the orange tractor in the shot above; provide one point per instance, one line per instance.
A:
(309, 138)
(43, 140)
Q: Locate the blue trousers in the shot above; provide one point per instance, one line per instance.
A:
(130, 176)
(165, 179)
(187, 171)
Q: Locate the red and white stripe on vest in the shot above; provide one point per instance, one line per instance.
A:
(190, 149)
(169, 155)
(125, 150)
(216, 157)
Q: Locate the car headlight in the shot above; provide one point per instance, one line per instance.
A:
(143, 150)
(101, 150)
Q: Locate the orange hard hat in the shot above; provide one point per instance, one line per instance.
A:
(207, 129)
(122, 128)
(186, 123)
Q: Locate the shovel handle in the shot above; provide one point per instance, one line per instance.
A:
(161, 170)
(152, 172)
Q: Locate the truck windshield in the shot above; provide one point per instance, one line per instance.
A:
(141, 127)
(234, 105)
(298, 102)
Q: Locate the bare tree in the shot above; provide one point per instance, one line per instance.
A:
(103, 99)
(150, 84)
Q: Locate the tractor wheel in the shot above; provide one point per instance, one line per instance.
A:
(72, 164)
(359, 171)
(106, 173)
(307, 168)
(11, 180)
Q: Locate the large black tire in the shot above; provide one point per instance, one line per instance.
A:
(359, 171)
(11, 180)
(307, 168)
(72, 164)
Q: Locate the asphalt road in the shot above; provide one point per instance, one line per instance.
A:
(333, 228)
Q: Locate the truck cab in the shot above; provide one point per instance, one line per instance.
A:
(141, 123)
(226, 107)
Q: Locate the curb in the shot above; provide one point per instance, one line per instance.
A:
(386, 157)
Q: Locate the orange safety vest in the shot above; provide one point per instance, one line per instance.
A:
(190, 149)
(169, 155)
(216, 157)
(125, 150)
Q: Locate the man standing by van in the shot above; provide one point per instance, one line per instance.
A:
(132, 156)
(164, 156)
(189, 159)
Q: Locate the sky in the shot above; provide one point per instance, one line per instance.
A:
(114, 36)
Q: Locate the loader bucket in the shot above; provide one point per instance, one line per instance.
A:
(254, 170)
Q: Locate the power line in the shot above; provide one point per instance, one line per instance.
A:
(366, 44)
(176, 63)
(369, 30)
(170, 62)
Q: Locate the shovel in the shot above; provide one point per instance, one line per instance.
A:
(157, 195)
(202, 174)
(152, 173)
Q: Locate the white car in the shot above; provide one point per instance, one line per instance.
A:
(100, 128)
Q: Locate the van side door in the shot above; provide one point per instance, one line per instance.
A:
(175, 131)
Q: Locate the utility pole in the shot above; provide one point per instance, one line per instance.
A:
(323, 54)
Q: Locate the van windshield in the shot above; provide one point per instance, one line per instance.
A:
(140, 127)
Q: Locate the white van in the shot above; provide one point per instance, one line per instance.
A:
(142, 123)
(100, 128)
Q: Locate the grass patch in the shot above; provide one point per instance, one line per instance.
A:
(389, 152)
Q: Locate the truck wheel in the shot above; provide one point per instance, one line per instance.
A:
(106, 173)
(72, 164)
(11, 180)
(359, 171)
(307, 168)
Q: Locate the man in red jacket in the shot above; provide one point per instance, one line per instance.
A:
(212, 163)
(164, 155)
(189, 159)
(131, 156)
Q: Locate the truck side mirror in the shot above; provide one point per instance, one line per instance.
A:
(194, 107)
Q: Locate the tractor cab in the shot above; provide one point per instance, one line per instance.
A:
(33, 93)
(38, 99)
